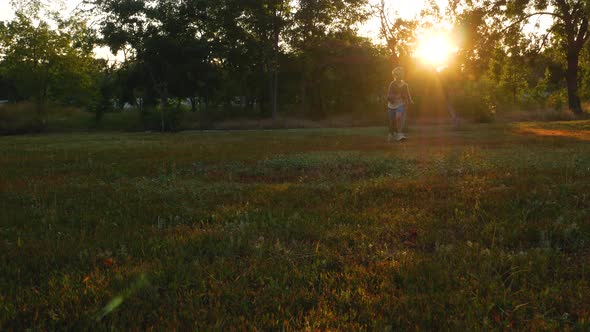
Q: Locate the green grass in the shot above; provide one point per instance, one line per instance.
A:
(486, 228)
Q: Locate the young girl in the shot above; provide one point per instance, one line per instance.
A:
(398, 98)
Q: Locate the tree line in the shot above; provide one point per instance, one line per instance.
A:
(306, 58)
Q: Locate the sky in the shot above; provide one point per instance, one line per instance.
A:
(403, 8)
(6, 12)
(406, 8)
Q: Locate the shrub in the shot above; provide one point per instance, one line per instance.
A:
(129, 120)
(557, 100)
(68, 119)
(476, 103)
(22, 118)
(171, 120)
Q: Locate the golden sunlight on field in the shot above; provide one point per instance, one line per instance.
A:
(574, 129)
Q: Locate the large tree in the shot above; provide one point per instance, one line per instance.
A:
(316, 24)
(253, 44)
(169, 43)
(399, 33)
(46, 63)
(569, 29)
(570, 32)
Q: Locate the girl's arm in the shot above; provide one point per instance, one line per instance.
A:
(409, 94)
(389, 94)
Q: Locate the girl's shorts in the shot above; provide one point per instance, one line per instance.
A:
(392, 111)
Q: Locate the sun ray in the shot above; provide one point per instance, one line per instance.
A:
(435, 48)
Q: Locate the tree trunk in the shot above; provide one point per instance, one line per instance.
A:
(275, 95)
(193, 104)
(572, 82)
(263, 95)
(271, 86)
(273, 89)
(318, 103)
(163, 105)
(140, 104)
(275, 70)
(249, 103)
(204, 112)
(41, 111)
(303, 101)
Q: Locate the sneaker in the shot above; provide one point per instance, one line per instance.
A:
(390, 138)
(400, 137)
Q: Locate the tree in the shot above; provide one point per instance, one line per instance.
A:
(30, 57)
(258, 29)
(168, 41)
(316, 23)
(569, 29)
(48, 64)
(399, 34)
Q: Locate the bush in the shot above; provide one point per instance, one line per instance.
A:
(557, 100)
(25, 118)
(476, 104)
(119, 121)
(558, 115)
(68, 119)
(192, 120)
(133, 120)
(171, 120)
(22, 118)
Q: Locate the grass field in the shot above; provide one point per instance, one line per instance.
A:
(483, 228)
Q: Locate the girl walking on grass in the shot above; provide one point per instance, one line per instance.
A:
(398, 97)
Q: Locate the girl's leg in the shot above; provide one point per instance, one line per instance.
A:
(453, 115)
(399, 116)
(392, 126)
(391, 122)
(404, 120)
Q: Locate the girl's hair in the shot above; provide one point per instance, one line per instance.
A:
(398, 73)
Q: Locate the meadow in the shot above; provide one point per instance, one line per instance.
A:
(482, 228)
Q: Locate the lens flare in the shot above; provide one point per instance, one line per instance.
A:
(435, 48)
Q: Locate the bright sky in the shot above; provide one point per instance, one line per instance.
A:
(404, 8)
(7, 13)
(434, 47)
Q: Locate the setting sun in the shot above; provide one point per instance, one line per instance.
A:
(435, 48)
